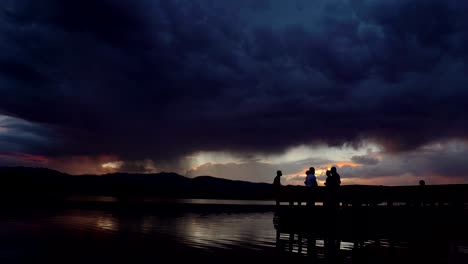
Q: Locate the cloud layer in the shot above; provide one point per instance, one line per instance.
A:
(163, 79)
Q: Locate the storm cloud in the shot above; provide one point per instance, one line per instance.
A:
(439, 160)
(365, 160)
(162, 79)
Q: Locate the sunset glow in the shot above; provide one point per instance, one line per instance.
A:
(115, 165)
(25, 157)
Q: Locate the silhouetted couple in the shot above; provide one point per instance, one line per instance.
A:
(332, 183)
(311, 180)
(333, 178)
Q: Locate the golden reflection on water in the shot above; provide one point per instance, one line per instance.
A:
(208, 231)
(87, 221)
(249, 230)
(106, 224)
(215, 231)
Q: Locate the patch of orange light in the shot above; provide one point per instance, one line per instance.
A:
(344, 163)
(26, 157)
(195, 168)
(320, 171)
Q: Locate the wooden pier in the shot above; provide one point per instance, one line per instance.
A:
(359, 213)
(362, 195)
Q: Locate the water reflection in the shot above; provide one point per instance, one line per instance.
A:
(207, 231)
(314, 247)
(213, 232)
(210, 201)
(83, 221)
(334, 249)
(155, 200)
(107, 224)
(224, 230)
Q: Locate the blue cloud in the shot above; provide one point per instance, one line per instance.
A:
(161, 79)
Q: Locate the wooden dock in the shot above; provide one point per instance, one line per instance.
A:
(362, 195)
(358, 213)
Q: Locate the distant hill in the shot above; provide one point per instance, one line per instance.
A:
(42, 182)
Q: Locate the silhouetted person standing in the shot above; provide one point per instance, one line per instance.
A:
(277, 187)
(332, 203)
(333, 179)
(421, 198)
(336, 178)
(311, 183)
(327, 180)
(332, 184)
(328, 184)
(311, 180)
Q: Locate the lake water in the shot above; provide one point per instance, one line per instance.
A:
(104, 236)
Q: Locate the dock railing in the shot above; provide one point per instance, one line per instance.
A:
(364, 195)
(364, 212)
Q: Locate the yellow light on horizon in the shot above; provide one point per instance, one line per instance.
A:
(114, 165)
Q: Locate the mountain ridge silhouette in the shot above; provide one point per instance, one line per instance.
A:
(44, 182)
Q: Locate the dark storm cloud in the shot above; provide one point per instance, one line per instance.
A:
(161, 79)
(19, 136)
(440, 160)
(365, 160)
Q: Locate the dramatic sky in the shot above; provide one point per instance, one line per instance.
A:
(237, 89)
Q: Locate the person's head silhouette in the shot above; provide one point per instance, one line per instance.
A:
(311, 170)
(327, 173)
(279, 173)
(422, 183)
(333, 170)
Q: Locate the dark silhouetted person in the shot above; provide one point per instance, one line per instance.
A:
(422, 196)
(332, 184)
(311, 180)
(327, 185)
(327, 180)
(311, 183)
(331, 241)
(336, 178)
(277, 187)
(277, 181)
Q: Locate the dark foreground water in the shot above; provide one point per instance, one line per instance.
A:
(188, 234)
